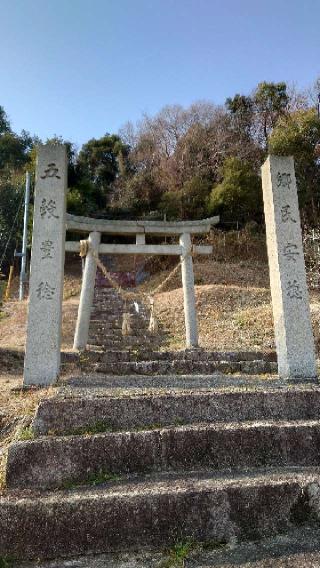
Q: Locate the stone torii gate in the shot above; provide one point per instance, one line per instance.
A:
(139, 230)
(42, 359)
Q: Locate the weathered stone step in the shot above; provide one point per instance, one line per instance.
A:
(128, 342)
(55, 461)
(116, 317)
(155, 513)
(112, 307)
(106, 327)
(87, 384)
(112, 312)
(299, 548)
(123, 344)
(124, 412)
(119, 341)
(185, 367)
(191, 355)
(116, 333)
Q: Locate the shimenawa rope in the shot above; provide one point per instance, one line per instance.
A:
(126, 324)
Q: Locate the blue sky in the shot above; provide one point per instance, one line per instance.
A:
(79, 68)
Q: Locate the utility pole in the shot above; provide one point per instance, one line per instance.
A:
(23, 254)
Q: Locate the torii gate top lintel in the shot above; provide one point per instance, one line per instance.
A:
(78, 224)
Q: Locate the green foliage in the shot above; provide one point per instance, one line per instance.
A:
(96, 428)
(83, 199)
(241, 110)
(98, 478)
(12, 152)
(171, 205)
(11, 215)
(188, 203)
(179, 554)
(26, 434)
(4, 122)
(195, 193)
(270, 102)
(6, 561)
(271, 97)
(75, 203)
(239, 196)
(143, 194)
(98, 163)
(298, 135)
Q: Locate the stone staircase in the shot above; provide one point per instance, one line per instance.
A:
(144, 353)
(116, 465)
(124, 460)
(105, 331)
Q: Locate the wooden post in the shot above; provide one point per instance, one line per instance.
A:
(8, 287)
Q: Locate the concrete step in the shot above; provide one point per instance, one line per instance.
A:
(184, 367)
(118, 411)
(54, 461)
(155, 513)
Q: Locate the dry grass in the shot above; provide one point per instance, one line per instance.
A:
(233, 304)
(14, 316)
(229, 317)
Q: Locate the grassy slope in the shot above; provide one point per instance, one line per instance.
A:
(233, 302)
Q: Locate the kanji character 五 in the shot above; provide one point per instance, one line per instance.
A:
(51, 171)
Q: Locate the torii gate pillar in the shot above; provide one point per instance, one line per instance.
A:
(190, 313)
(87, 293)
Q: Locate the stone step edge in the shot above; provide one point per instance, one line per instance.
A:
(70, 410)
(54, 461)
(153, 514)
(199, 355)
(299, 547)
(183, 367)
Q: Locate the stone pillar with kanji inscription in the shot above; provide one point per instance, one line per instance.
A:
(42, 358)
(290, 299)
